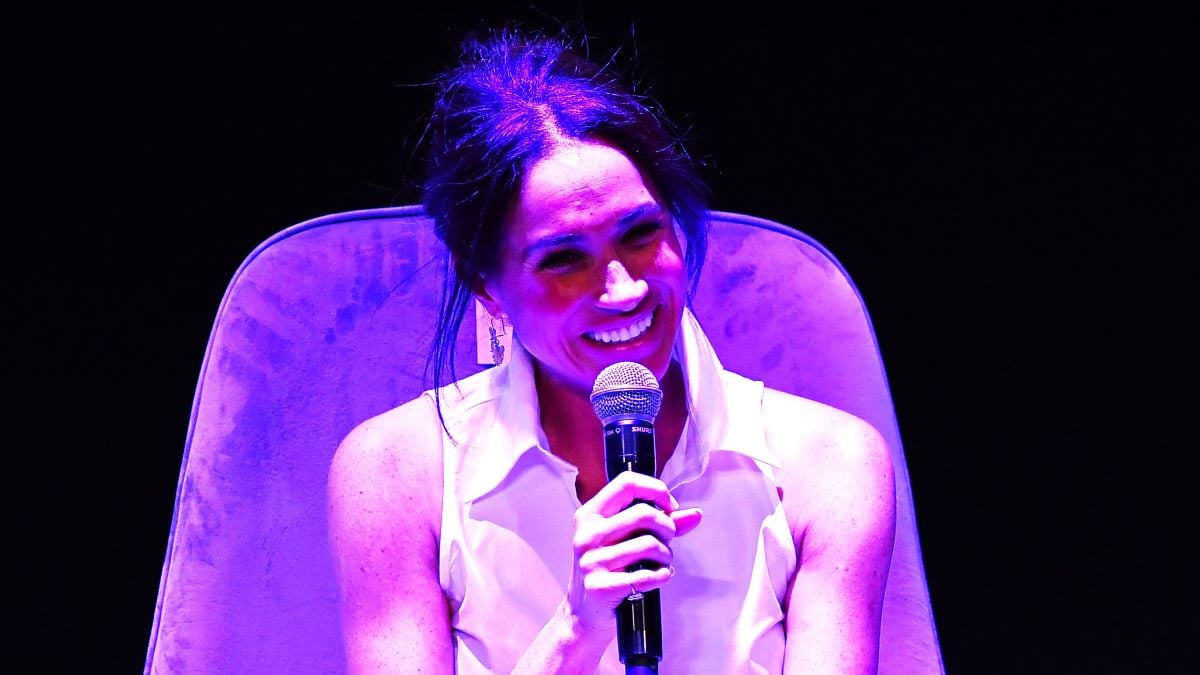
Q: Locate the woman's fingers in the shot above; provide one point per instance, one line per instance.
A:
(686, 520)
(626, 488)
(629, 524)
(620, 584)
(619, 556)
(612, 516)
(595, 530)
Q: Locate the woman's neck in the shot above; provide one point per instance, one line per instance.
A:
(576, 435)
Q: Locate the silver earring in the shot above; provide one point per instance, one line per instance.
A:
(497, 348)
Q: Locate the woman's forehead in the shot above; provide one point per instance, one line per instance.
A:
(580, 184)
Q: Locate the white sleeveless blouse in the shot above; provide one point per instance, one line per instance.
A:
(505, 547)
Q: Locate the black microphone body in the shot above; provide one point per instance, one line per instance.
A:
(627, 398)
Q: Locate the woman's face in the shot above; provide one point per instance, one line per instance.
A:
(590, 270)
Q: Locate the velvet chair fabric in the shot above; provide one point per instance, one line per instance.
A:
(329, 321)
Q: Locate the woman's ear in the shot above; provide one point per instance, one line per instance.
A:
(484, 292)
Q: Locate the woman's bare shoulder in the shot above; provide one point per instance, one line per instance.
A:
(407, 424)
(397, 452)
(829, 457)
(817, 430)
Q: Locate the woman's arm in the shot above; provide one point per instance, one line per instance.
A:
(839, 497)
(385, 495)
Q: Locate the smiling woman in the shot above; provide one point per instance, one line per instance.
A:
(585, 219)
(474, 528)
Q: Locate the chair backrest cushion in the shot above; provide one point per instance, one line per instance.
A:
(329, 322)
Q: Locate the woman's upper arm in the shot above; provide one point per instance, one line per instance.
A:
(839, 495)
(385, 495)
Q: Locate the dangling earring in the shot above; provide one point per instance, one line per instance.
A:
(497, 348)
(492, 344)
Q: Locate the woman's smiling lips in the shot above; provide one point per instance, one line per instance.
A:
(625, 333)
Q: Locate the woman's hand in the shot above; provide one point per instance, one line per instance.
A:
(631, 519)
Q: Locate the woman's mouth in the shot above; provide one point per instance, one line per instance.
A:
(625, 333)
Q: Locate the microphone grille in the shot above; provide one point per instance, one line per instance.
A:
(626, 388)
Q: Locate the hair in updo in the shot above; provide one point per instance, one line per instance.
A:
(500, 109)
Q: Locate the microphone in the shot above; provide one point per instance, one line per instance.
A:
(626, 397)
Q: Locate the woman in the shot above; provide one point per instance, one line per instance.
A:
(475, 529)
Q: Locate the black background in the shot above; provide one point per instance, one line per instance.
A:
(1010, 195)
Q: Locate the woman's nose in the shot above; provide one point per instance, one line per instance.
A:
(621, 292)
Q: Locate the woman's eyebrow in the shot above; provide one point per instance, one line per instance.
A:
(550, 241)
(639, 212)
(632, 216)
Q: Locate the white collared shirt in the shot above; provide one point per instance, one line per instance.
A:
(505, 546)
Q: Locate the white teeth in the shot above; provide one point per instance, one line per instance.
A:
(624, 334)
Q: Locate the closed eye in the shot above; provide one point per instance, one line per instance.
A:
(642, 233)
(560, 260)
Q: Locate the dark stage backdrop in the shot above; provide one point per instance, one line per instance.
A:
(1010, 203)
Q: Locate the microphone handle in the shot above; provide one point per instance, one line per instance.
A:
(639, 630)
(629, 446)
